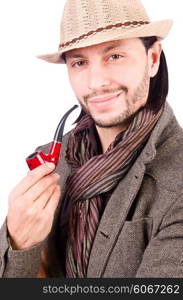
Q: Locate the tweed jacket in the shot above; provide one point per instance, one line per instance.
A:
(141, 230)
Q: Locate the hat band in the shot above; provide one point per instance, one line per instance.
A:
(81, 37)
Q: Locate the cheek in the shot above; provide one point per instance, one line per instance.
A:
(78, 84)
(138, 78)
(129, 74)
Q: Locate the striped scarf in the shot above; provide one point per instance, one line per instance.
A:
(95, 174)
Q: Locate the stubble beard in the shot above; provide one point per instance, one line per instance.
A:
(124, 118)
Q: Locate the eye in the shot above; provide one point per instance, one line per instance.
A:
(78, 64)
(115, 57)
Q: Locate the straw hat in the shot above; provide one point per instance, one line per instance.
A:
(90, 22)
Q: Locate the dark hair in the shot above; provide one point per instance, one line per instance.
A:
(63, 56)
(159, 85)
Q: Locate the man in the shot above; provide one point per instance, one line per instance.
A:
(119, 211)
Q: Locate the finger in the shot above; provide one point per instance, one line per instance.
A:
(53, 201)
(34, 193)
(31, 178)
(41, 202)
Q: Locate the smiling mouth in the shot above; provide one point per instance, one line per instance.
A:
(103, 99)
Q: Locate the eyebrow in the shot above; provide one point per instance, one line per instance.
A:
(112, 46)
(105, 50)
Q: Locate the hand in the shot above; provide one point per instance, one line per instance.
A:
(31, 207)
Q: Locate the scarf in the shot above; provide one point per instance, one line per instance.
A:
(95, 174)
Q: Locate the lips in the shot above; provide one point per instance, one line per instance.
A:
(104, 101)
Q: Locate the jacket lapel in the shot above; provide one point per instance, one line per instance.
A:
(113, 219)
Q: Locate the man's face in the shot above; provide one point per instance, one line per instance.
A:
(110, 80)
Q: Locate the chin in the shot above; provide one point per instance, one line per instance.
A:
(115, 121)
(108, 124)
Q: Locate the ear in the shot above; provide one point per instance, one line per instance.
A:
(154, 54)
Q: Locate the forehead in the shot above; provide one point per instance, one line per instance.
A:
(105, 47)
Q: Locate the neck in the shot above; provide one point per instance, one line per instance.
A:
(108, 135)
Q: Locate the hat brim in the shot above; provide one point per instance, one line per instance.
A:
(159, 29)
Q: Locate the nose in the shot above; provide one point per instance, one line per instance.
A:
(98, 77)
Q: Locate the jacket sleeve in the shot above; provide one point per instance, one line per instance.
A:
(18, 263)
(164, 255)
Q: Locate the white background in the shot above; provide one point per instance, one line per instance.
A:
(35, 94)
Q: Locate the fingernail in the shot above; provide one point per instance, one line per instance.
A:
(50, 165)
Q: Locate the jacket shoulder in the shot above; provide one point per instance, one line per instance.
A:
(167, 166)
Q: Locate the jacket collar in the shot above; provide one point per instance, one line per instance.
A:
(165, 124)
